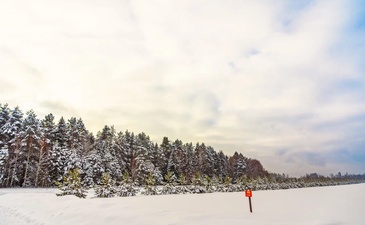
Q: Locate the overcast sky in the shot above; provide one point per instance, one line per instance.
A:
(280, 81)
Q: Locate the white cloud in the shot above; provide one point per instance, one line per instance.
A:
(245, 76)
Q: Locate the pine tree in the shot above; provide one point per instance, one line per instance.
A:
(107, 188)
(182, 188)
(150, 188)
(44, 166)
(3, 158)
(197, 186)
(222, 170)
(4, 118)
(165, 151)
(72, 185)
(189, 163)
(105, 148)
(61, 133)
(127, 187)
(92, 170)
(31, 147)
(63, 160)
(170, 183)
(208, 183)
(12, 129)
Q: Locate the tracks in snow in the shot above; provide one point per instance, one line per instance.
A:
(9, 216)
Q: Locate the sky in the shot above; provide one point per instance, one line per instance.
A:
(281, 81)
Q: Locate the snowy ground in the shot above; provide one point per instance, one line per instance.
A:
(336, 205)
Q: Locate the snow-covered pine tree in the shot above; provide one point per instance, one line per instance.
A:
(4, 148)
(170, 184)
(92, 170)
(150, 188)
(127, 187)
(242, 183)
(189, 163)
(61, 133)
(172, 163)
(3, 158)
(63, 160)
(228, 187)
(208, 183)
(105, 148)
(222, 170)
(44, 165)
(165, 151)
(182, 188)
(120, 152)
(71, 185)
(107, 188)
(31, 148)
(197, 186)
(12, 129)
(4, 118)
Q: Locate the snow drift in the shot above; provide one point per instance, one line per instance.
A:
(322, 205)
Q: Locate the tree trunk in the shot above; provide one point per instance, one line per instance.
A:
(17, 150)
(29, 146)
(39, 166)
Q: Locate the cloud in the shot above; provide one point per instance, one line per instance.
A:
(243, 76)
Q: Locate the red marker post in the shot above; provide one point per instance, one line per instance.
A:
(249, 195)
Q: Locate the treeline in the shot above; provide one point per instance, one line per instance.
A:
(200, 184)
(39, 152)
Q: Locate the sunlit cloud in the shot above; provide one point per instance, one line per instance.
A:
(281, 81)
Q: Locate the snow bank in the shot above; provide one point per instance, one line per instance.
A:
(323, 206)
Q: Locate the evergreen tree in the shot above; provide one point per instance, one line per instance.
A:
(222, 170)
(31, 147)
(61, 133)
(4, 118)
(105, 148)
(63, 160)
(72, 185)
(205, 159)
(107, 188)
(44, 165)
(189, 163)
(165, 151)
(127, 187)
(173, 163)
(237, 165)
(92, 170)
(197, 186)
(150, 188)
(12, 130)
(170, 182)
(4, 148)
(3, 158)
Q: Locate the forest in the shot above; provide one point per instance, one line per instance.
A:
(43, 153)
(39, 153)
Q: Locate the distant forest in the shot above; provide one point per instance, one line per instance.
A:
(40, 152)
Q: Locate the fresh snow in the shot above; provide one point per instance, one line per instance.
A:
(336, 205)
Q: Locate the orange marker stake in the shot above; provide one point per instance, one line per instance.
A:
(249, 195)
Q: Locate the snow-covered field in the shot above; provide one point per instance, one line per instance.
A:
(337, 205)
